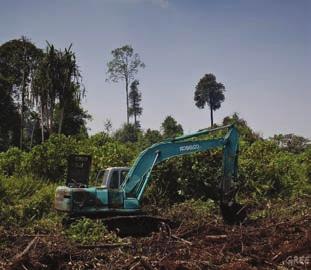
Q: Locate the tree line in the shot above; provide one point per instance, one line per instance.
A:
(42, 91)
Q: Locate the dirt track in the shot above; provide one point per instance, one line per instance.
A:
(265, 244)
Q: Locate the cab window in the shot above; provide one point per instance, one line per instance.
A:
(114, 182)
(123, 175)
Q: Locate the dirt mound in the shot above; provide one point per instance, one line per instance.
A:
(265, 244)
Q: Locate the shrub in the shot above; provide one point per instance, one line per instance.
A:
(11, 161)
(196, 176)
(268, 172)
(88, 231)
(192, 211)
(26, 200)
(109, 155)
(38, 205)
(49, 160)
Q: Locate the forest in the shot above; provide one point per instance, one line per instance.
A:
(43, 122)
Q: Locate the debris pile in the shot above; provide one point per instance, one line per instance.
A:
(262, 244)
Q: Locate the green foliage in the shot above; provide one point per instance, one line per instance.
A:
(19, 59)
(9, 116)
(127, 133)
(171, 128)
(88, 231)
(26, 200)
(124, 66)
(268, 172)
(209, 92)
(11, 161)
(109, 154)
(245, 132)
(192, 211)
(135, 108)
(306, 160)
(74, 119)
(49, 160)
(195, 176)
(150, 137)
(291, 142)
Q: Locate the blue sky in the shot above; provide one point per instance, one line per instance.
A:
(260, 50)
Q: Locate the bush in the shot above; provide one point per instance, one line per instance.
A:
(26, 200)
(196, 176)
(88, 231)
(109, 155)
(49, 160)
(268, 172)
(192, 211)
(11, 161)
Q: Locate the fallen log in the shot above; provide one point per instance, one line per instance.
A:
(19, 258)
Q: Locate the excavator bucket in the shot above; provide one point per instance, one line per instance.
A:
(233, 212)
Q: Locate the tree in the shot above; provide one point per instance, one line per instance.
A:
(9, 117)
(57, 79)
(209, 92)
(70, 90)
(135, 98)
(124, 66)
(107, 125)
(127, 133)
(291, 142)
(151, 137)
(171, 128)
(244, 130)
(18, 60)
(74, 119)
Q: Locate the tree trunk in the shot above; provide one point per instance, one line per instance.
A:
(22, 114)
(50, 119)
(61, 119)
(32, 133)
(127, 100)
(42, 124)
(212, 118)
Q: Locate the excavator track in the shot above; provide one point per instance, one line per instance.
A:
(129, 225)
(136, 225)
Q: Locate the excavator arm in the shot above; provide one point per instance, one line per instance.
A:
(139, 175)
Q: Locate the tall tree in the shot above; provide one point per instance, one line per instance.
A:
(74, 119)
(9, 117)
(171, 128)
(18, 60)
(209, 92)
(70, 78)
(135, 108)
(57, 79)
(124, 66)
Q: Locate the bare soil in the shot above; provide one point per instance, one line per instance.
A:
(267, 243)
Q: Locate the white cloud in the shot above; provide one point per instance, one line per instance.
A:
(161, 3)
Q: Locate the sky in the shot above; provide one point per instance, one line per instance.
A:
(259, 49)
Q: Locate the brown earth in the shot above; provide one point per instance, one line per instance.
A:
(267, 243)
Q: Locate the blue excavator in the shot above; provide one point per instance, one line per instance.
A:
(120, 194)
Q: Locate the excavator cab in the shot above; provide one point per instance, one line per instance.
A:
(113, 177)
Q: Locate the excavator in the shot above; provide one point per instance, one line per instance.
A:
(120, 194)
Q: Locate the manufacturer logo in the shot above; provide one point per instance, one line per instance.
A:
(191, 147)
